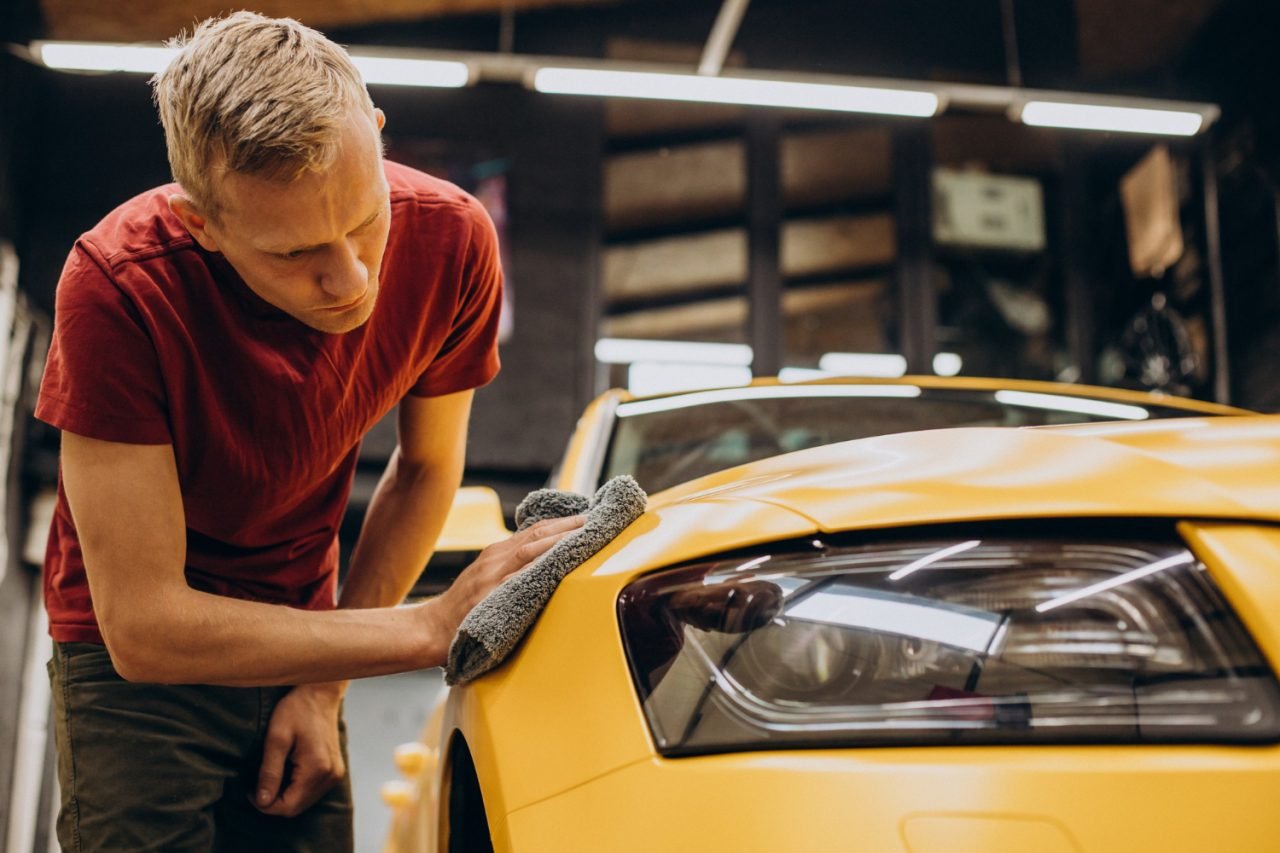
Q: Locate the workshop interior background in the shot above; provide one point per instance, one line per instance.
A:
(635, 219)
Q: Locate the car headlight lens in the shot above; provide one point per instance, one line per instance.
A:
(961, 640)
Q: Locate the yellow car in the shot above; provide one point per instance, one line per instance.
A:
(963, 639)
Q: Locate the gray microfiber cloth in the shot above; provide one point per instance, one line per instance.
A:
(495, 626)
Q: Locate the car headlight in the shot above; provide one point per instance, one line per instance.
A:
(964, 640)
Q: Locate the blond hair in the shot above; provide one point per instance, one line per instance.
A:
(262, 96)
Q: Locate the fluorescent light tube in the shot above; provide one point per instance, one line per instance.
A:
(648, 377)
(98, 56)
(628, 350)
(1119, 119)
(412, 72)
(735, 90)
(804, 374)
(947, 364)
(889, 365)
(1078, 405)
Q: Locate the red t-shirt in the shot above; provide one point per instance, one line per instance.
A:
(157, 341)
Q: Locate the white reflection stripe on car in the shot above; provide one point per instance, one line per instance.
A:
(1080, 405)
(1118, 580)
(763, 392)
(875, 610)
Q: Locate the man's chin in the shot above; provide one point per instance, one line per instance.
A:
(341, 322)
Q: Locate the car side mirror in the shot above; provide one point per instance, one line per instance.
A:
(475, 521)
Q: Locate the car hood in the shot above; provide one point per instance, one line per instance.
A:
(1224, 468)
(1195, 467)
(571, 669)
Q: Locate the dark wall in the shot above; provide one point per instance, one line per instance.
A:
(552, 151)
(1234, 62)
(98, 143)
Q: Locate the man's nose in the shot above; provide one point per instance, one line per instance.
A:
(347, 276)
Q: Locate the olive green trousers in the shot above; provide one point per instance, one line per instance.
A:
(171, 767)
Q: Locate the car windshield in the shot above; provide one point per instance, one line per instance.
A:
(670, 440)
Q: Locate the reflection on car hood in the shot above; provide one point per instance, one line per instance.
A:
(1213, 468)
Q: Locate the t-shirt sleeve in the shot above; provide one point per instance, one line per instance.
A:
(469, 355)
(102, 378)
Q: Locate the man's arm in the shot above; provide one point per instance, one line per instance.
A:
(127, 506)
(411, 502)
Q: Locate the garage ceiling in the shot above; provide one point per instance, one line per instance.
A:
(147, 20)
(1115, 38)
(1134, 36)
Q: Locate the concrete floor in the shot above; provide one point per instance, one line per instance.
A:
(382, 713)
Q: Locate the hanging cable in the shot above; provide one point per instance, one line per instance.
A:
(507, 28)
(723, 32)
(1013, 66)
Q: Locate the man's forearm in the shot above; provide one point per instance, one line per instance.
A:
(187, 636)
(183, 635)
(128, 510)
(242, 643)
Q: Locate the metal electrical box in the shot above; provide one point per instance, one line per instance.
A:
(978, 210)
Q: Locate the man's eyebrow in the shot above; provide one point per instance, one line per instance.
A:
(290, 250)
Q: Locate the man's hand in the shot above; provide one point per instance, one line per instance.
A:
(302, 737)
(499, 561)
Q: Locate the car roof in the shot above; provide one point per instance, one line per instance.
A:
(581, 466)
(1204, 468)
(970, 383)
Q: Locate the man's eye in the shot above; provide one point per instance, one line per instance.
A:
(291, 256)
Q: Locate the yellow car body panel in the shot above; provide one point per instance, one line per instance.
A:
(576, 633)
(935, 800)
(916, 800)
(1245, 561)
(567, 762)
(588, 439)
(474, 522)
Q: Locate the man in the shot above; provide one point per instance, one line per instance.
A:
(220, 347)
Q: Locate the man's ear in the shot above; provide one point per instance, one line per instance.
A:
(194, 221)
